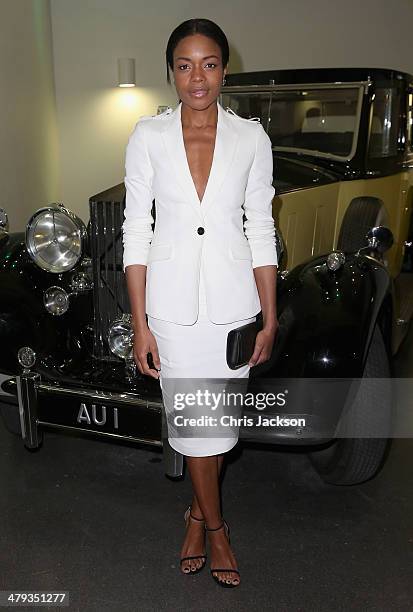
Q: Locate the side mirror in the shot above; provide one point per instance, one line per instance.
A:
(379, 238)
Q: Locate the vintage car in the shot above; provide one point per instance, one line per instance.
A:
(342, 143)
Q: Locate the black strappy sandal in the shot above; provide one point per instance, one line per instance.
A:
(223, 569)
(188, 514)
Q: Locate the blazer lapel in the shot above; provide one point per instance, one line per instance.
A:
(225, 146)
(174, 144)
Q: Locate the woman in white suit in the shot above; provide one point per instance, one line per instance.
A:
(202, 272)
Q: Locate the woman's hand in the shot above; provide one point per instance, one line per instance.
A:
(264, 343)
(143, 343)
(265, 277)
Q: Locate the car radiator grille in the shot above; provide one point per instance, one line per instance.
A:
(111, 298)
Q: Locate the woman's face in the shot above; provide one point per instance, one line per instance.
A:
(198, 70)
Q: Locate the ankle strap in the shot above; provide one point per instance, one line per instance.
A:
(189, 509)
(215, 528)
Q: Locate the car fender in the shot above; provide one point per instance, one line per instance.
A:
(24, 320)
(326, 318)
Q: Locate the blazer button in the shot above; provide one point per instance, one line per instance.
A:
(200, 230)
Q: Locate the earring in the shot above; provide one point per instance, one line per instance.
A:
(224, 81)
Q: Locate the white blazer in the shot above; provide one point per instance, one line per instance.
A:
(190, 234)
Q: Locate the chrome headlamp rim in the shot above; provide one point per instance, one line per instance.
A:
(79, 224)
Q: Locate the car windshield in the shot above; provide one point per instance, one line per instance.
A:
(321, 121)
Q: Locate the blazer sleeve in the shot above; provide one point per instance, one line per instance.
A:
(259, 226)
(136, 228)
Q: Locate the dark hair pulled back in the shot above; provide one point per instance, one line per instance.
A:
(196, 26)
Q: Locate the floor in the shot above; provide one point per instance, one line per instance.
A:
(103, 522)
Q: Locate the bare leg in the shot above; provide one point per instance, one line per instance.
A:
(196, 510)
(194, 542)
(204, 476)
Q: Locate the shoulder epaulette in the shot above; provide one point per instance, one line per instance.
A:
(168, 110)
(161, 115)
(229, 110)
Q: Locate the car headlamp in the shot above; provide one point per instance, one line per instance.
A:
(54, 238)
(56, 300)
(335, 260)
(120, 337)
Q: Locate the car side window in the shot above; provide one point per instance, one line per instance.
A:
(385, 123)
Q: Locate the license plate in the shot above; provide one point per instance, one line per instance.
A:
(127, 420)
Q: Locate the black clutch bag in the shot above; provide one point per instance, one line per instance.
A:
(241, 343)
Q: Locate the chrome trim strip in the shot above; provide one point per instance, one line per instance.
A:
(292, 86)
(102, 433)
(122, 398)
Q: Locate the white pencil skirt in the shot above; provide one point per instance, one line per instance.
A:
(194, 357)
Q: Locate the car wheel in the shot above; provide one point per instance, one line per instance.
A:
(362, 214)
(346, 460)
(11, 417)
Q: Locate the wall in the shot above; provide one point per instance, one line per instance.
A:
(95, 118)
(28, 128)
